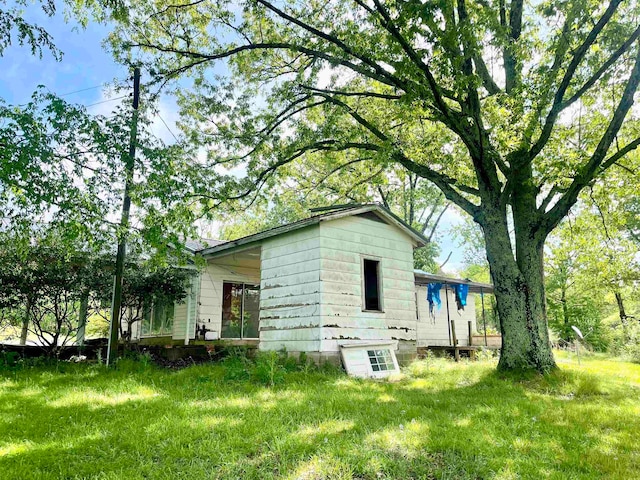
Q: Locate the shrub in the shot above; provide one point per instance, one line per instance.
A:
(626, 342)
(8, 359)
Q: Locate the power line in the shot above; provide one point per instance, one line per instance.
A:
(165, 124)
(81, 90)
(105, 101)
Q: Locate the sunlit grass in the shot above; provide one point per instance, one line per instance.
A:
(438, 420)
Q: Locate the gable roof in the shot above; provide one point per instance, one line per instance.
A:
(338, 212)
(195, 245)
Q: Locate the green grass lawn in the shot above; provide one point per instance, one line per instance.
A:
(440, 420)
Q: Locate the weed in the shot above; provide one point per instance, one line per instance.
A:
(270, 367)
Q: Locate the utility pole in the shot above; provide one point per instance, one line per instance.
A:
(114, 327)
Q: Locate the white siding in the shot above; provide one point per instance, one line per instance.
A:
(185, 312)
(290, 291)
(179, 320)
(434, 330)
(193, 305)
(230, 268)
(344, 243)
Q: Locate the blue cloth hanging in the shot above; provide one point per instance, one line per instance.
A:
(433, 295)
(461, 295)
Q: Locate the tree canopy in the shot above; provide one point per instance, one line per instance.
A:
(510, 109)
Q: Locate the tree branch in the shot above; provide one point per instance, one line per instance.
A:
(435, 224)
(512, 76)
(444, 182)
(352, 94)
(578, 56)
(601, 71)
(595, 163)
(613, 159)
(415, 58)
(381, 72)
(483, 72)
(203, 57)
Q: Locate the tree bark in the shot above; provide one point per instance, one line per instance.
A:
(621, 311)
(565, 314)
(82, 318)
(25, 322)
(519, 293)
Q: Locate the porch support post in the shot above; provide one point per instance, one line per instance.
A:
(186, 328)
(484, 318)
(446, 295)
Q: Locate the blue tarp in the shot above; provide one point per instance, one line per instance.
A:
(461, 295)
(433, 295)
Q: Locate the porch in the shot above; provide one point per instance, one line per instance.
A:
(229, 300)
(451, 326)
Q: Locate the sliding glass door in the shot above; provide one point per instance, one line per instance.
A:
(240, 310)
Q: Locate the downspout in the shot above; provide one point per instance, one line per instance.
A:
(187, 323)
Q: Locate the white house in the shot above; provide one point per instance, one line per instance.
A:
(343, 277)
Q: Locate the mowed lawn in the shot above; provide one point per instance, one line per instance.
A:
(440, 420)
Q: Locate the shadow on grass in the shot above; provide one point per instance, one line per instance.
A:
(450, 422)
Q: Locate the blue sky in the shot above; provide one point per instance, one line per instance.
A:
(86, 65)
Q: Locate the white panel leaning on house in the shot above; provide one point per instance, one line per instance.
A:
(185, 312)
(370, 359)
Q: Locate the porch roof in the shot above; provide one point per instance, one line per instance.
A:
(424, 278)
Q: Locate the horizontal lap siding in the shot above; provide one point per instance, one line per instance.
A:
(435, 331)
(343, 243)
(186, 311)
(179, 320)
(290, 292)
(218, 271)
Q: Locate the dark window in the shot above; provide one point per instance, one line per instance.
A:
(240, 310)
(372, 285)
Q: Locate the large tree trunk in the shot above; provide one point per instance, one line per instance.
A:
(25, 322)
(519, 291)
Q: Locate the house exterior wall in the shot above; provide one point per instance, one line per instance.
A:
(230, 268)
(344, 242)
(185, 312)
(290, 291)
(179, 320)
(435, 331)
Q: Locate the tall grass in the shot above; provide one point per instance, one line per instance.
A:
(267, 418)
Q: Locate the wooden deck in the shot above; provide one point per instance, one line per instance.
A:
(456, 351)
(169, 342)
